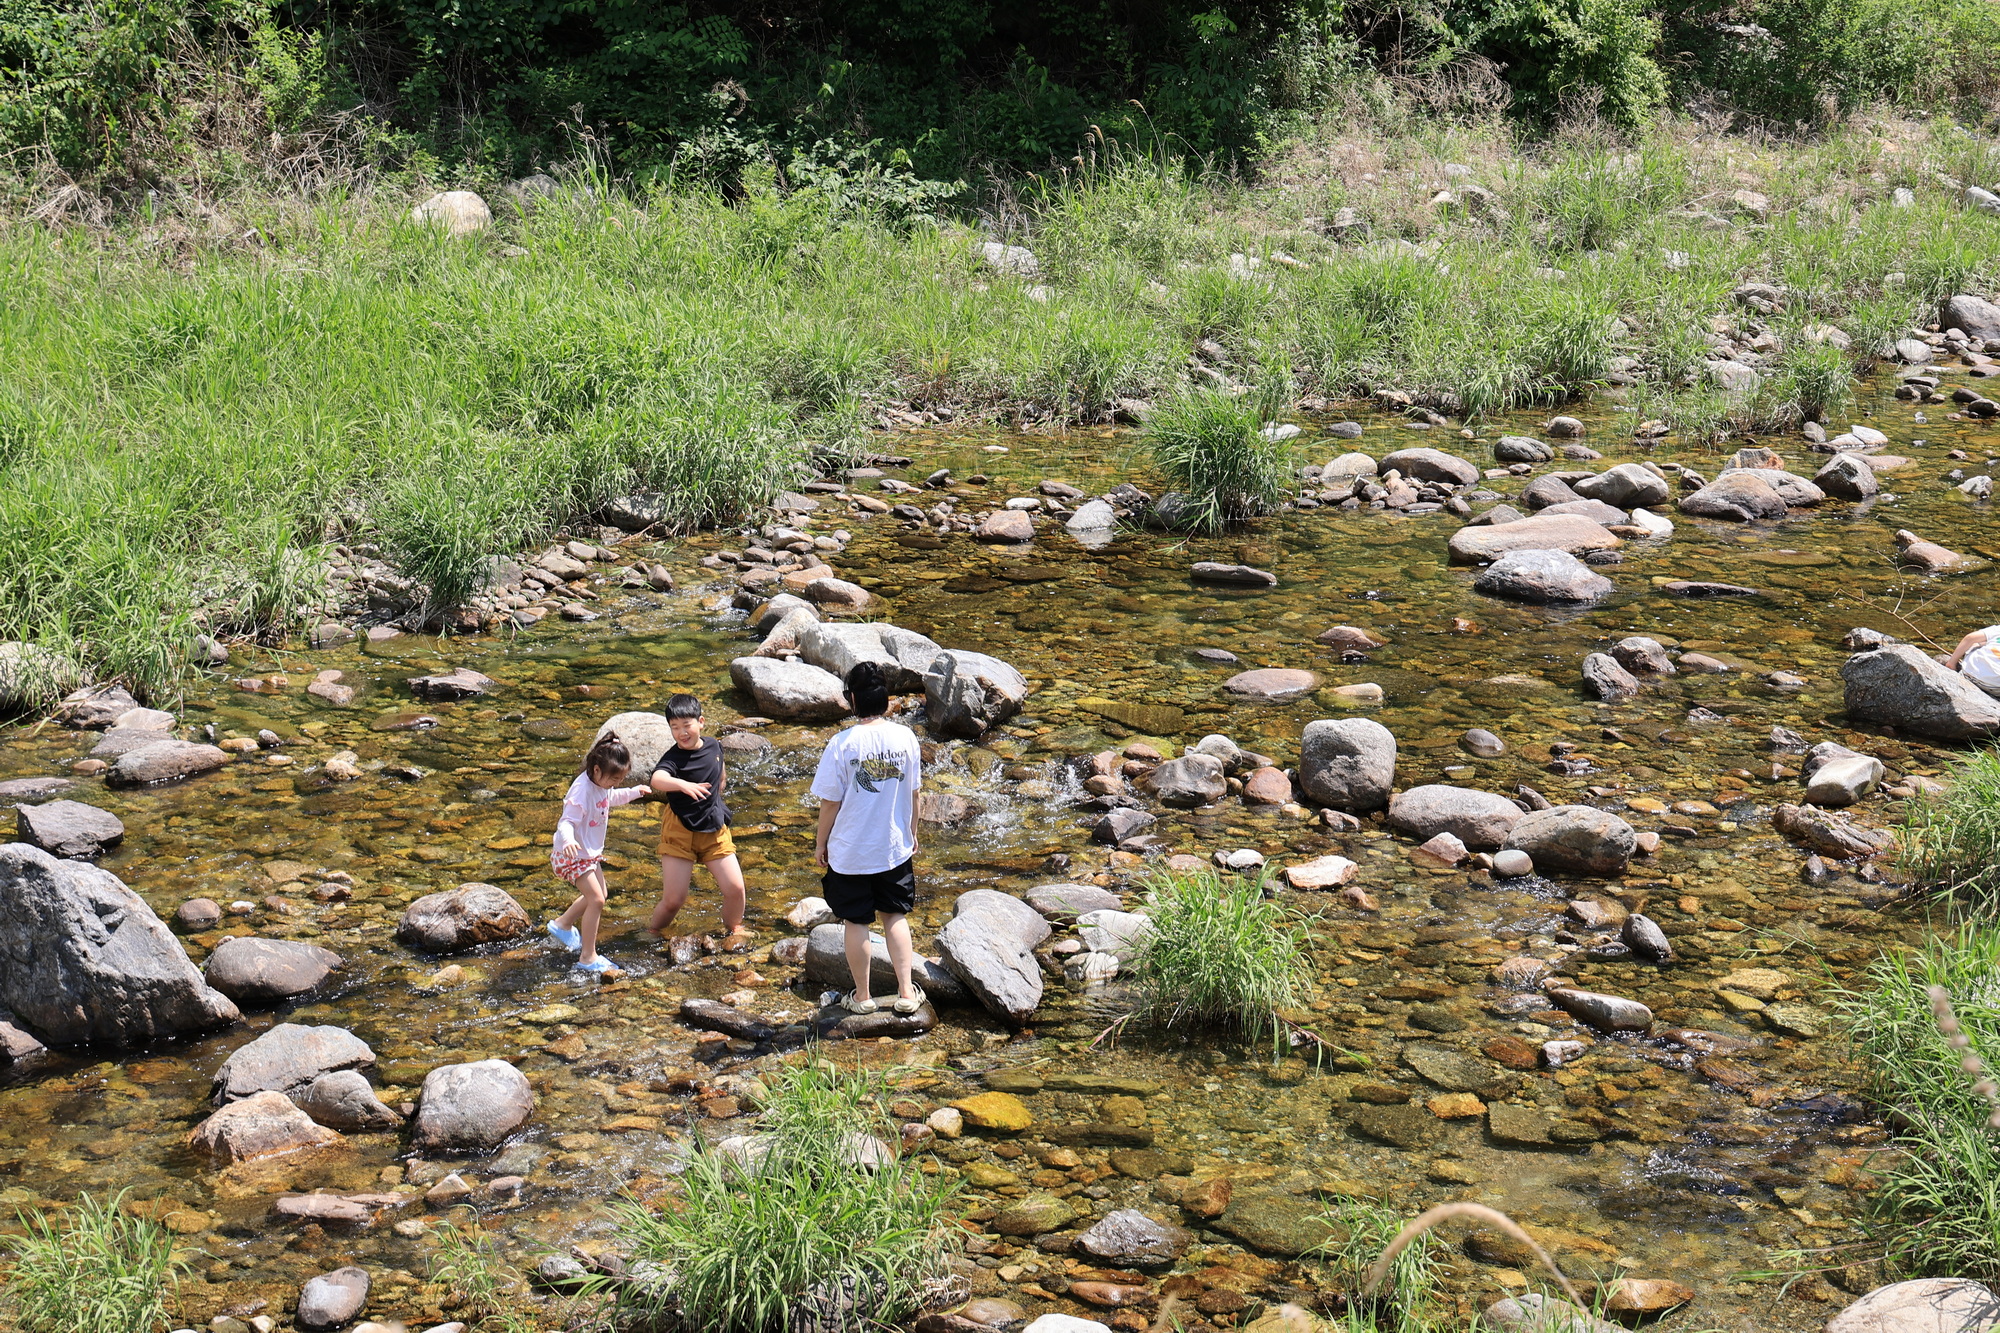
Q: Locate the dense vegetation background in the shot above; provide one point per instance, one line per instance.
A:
(950, 90)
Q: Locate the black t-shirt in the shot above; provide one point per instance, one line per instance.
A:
(708, 814)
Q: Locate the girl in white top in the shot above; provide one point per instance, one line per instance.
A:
(1977, 658)
(577, 856)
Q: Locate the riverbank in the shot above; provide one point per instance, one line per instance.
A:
(198, 408)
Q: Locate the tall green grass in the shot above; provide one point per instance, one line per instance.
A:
(1209, 445)
(175, 437)
(1937, 1203)
(1221, 954)
(1951, 839)
(1360, 1230)
(94, 1269)
(795, 1229)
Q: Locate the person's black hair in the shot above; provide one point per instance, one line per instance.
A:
(867, 690)
(683, 705)
(609, 755)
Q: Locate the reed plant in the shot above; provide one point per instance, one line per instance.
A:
(818, 1220)
(1359, 1231)
(93, 1268)
(1220, 954)
(1951, 839)
(1936, 1202)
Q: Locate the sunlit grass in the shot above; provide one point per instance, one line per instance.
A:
(92, 1269)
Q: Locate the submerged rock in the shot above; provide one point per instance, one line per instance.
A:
(1129, 1238)
(1829, 834)
(84, 959)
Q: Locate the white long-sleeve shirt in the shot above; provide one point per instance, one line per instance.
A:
(586, 814)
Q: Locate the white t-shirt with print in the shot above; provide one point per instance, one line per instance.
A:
(874, 770)
(1982, 664)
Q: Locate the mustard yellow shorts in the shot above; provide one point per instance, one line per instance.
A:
(681, 843)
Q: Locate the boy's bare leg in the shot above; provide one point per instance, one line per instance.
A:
(855, 941)
(675, 877)
(902, 953)
(729, 880)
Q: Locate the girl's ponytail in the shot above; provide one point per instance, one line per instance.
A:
(608, 755)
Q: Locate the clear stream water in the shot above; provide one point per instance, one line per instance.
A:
(1689, 1178)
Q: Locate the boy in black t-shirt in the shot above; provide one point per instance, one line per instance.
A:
(694, 828)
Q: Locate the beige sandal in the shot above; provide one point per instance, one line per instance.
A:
(911, 1005)
(861, 1005)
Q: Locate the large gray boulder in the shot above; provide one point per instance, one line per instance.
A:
(904, 655)
(1925, 1305)
(287, 1058)
(1479, 819)
(251, 971)
(983, 949)
(1903, 687)
(84, 959)
(264, 1124)
(1607, 678)
(1577, 838)
(462, 918)
(1542, 577)
(793, 691)
(636, 512)
(1977, 316)
(1348, 763)
(343, 1100)
(826, 964)
(333, 1299)
(471, 1107)
(1432, 465)
(1026, 925)
(646, 737)
(164, 760)
(1521, 449)
(1068, 901)
(1795, 491)
(1190, 781)
(69, 829)
(1476, 544)
(1627, 486)
(1595, 510)
(1847, 477)
(1738, 497)
(967, 693)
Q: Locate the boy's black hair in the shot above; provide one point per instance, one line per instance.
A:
(868, 691)
(683, 705)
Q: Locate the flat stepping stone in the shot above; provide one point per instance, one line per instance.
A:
(1271, 684)
(1242, 576)
(836, 1023)
(715, 1016)
(1693, 588)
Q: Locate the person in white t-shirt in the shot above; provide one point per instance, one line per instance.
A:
(1977, 658)
(867, 786)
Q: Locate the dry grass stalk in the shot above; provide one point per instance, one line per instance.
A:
(1478, 1212)
(1954, 1037)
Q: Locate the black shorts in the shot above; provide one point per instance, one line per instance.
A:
(858, 898)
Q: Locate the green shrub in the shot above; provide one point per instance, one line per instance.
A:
(1938, 1198)
(92, 1270)
(1220, 955)
(1209, 444)
(794, 1224)
(1951, 840)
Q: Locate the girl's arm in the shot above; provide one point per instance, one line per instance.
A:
(627, 795)
(569, 828)
(1965, 645)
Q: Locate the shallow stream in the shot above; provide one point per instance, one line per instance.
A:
(1693, 1176)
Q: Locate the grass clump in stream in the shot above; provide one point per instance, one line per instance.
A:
(95, 1269)
(1951, 839)
(817, 1216)
(1210, 446)
(1220, 954)
(1406, 1303)
(1938, 1198)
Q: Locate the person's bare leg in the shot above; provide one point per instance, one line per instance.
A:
(675, 877)
(729, 880)
(855, 939)
(592, 885)
(902, 953)
(569, 918)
